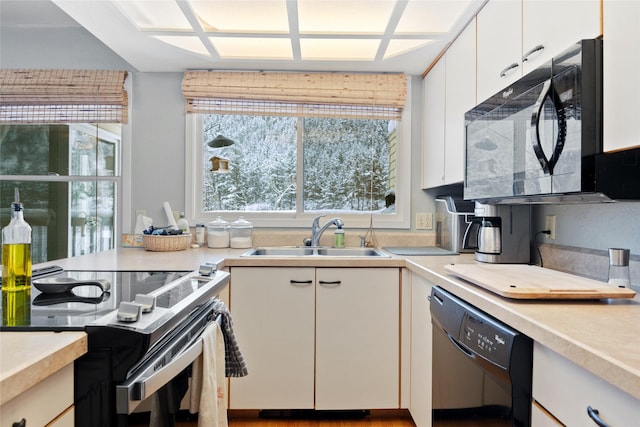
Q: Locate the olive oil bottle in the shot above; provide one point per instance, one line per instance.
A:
(16, 268)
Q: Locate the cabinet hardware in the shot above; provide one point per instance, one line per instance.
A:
(595, 416)
(300, 282)
(526, 56)
(509, 68)
(330, 283)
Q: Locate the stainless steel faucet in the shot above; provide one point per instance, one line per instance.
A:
(316, 230)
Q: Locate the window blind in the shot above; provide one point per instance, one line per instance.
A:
(63, 96)
(355, 95)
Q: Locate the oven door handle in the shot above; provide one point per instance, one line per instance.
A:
(136, 389)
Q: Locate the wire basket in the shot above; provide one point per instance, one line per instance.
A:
(158, 243)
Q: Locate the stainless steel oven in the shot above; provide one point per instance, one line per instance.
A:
(143, 333)
(482, 368)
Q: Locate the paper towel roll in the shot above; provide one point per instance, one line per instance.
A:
(170, 218)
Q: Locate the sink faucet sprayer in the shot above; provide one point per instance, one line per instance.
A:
(316, 230)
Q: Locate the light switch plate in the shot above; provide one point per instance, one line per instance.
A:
(424, 221)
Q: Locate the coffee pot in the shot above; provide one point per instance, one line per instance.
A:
(499, 233)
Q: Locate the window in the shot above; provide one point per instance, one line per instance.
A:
(283, 171)
(65, 165)
(303, 144)
(68, 177)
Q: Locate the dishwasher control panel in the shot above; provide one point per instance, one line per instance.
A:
(486, 338)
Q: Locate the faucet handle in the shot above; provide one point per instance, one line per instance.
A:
(316, 220)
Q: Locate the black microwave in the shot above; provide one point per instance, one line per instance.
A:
(540, 139)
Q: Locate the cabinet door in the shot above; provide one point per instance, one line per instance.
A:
(566, 390)
(621, 90)
(357, 338)
(551, 26)
(42, 403)
(273, 315)
(460, 97)
(499, 46)
(433, 122)
(421, 336)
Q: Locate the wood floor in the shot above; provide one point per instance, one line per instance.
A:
(395, 418)
(252, 419)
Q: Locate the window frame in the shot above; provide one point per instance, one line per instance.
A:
(193, 185)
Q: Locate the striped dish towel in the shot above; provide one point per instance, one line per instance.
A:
(235, 366)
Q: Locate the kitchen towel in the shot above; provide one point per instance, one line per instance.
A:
(208, 383)
(235, 365)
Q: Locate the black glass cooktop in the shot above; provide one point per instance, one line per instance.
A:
(80, 305)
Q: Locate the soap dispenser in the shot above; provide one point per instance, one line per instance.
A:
(338, 238)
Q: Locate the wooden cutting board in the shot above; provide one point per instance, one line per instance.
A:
(521, 281)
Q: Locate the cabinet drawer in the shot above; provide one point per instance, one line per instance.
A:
(566, 390)
(43, 402)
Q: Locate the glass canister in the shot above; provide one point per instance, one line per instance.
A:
(241, 233)
(218, 233)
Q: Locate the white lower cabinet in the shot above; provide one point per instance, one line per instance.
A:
(323, 338)
(421, 336)
(48, 403)
(563, 392)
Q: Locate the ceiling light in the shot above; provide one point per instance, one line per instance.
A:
(154, 15)
(252, 47)
(339, 49)
(428, 17)
(344, 16)
(249, 16)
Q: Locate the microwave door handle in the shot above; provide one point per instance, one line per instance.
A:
(548, 91)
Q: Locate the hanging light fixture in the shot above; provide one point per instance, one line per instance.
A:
(220, 164)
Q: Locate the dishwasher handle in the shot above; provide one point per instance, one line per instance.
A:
(463, 348)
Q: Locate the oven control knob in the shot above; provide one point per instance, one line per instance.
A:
(129, 312)
(148, 302)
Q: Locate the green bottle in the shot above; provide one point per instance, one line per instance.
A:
(16, 268)
(338, 238)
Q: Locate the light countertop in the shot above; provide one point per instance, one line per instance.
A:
(28, 358)
(602, 336)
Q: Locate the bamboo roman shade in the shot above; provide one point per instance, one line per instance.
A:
(370, 96)
(63, 96)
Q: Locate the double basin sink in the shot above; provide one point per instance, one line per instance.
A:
(304, 251)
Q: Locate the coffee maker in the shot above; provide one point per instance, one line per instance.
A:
(499, 234)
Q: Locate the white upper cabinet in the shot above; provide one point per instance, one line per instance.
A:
(499, 46)
(551, 26)
(621, 90)
(433, 105)
(460, 97)
(516, 36)
(448, 92)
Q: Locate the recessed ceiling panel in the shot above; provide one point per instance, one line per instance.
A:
(431, 16)
(248, 16)
(252, 48)
(398, 47)
(344, 16)
(339, 49)
(154, 15)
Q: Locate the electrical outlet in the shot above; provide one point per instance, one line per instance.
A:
(424, 221)
(550, 224)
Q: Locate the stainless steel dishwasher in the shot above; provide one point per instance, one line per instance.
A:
(482, 368)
